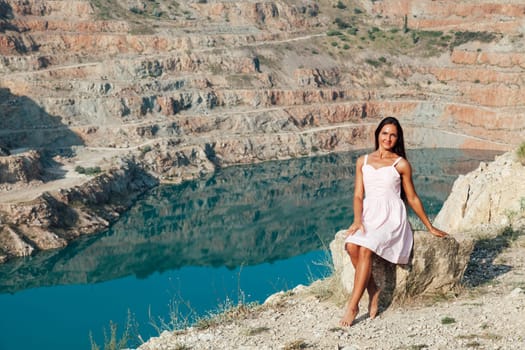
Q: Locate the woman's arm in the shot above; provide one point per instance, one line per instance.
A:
(359, 193)
(405, 170)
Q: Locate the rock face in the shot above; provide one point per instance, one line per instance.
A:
(23, 168)
(436, 268)
(52, 220)
(492, 195)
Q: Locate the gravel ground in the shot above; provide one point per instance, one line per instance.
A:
(488, 314)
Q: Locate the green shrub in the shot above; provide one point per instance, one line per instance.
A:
(448, 320)
(431, 33)
(415, 38)
(464, 37)
(352, 31)
(88, 171)
(145, 149)
(521, 153)
(341, 24)
(373, 62)
(136, 10)
(333, 32)
(340, 5)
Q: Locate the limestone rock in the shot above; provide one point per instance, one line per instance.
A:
(52, 219)
(184, 163)
(41, 238)
(23, 167)
(493, 194)
(436, 267)
(12, 244)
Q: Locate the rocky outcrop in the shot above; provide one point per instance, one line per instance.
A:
(435, 268)
(23, 168)
(492, 196)
(53, 219)
(494, 16)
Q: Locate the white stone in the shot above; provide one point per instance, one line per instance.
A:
(516, 292)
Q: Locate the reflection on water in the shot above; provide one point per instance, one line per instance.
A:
(244, 215)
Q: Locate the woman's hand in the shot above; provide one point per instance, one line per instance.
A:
(356, 226)
(437, 232)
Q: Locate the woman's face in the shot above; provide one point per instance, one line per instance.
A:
(388, 137)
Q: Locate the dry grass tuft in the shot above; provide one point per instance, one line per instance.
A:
(296, 344)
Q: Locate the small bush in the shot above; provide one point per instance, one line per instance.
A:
(136, 10)
(373, 62)
(145, 149)
(88, 171)
(464, 37)
(448, 320)
(346, 46)
(313, 11)
(415, 38)
(341, 24)
(431, 33)
(358, 11)
(296, 344)
(521, 153)
(340, 5)
(352, 31)
(333, 33)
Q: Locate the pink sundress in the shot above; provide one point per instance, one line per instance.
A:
(388, 231)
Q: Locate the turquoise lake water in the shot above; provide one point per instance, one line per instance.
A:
(241, 234)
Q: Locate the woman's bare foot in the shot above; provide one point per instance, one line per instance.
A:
(373, 304)
(349, 317)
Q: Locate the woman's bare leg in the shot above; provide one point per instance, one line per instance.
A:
(373, 299)
(372, 288)
(363, 271)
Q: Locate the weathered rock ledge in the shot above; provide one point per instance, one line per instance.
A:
(53, 219)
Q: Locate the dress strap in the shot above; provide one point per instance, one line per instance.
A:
(397, 161)
(366, 158)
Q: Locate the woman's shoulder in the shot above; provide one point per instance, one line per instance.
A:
(361, 159)
(403, 164)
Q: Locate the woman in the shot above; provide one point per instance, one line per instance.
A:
(380, 219)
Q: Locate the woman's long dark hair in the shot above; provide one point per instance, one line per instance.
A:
(399, 147)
